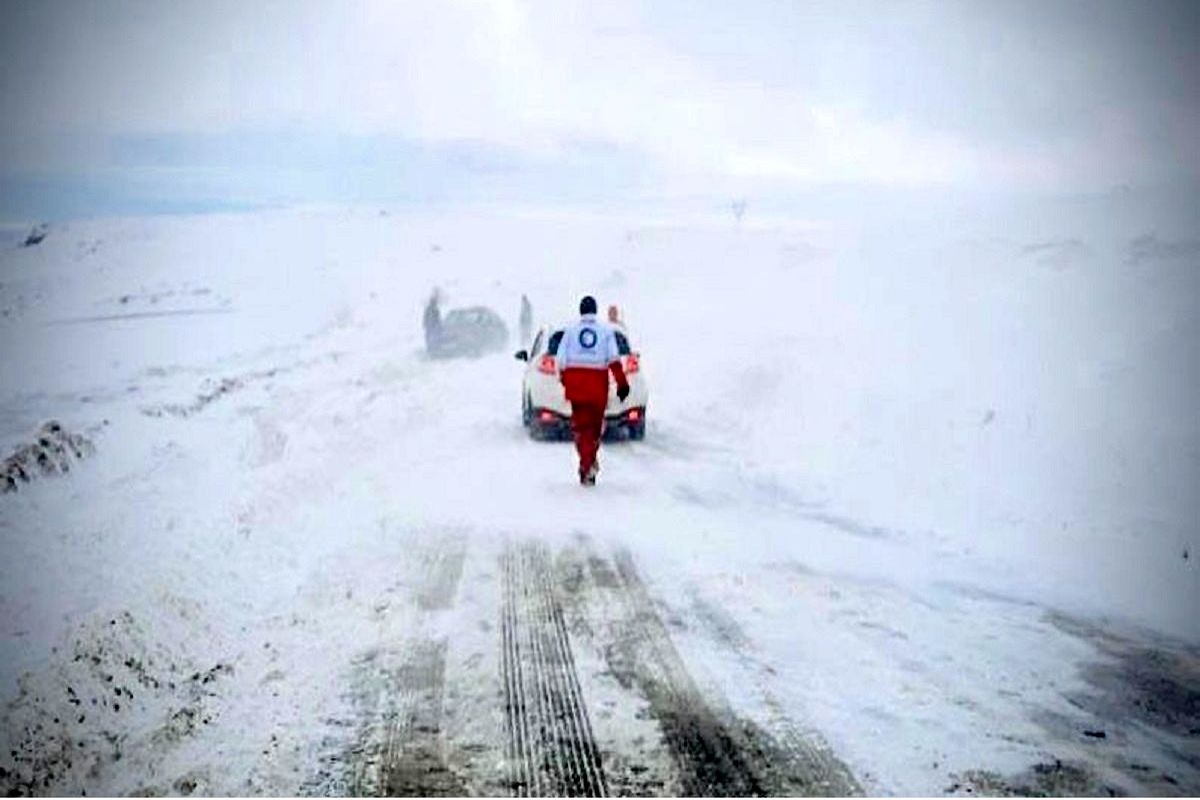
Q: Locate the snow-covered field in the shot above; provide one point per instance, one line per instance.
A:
(920, 496)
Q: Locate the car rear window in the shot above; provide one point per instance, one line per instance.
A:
(556, 338)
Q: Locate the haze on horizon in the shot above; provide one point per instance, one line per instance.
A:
(140, 106)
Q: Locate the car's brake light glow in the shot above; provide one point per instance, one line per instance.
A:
(631, 364)
(546, 365)
(546, 416)
(634, 415)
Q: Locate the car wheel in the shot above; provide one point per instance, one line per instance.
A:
(638, 432)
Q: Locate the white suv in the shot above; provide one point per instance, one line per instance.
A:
(544, 407)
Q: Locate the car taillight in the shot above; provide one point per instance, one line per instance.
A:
(631, 364)
(546, 366)
(634, 415)
(546, 416)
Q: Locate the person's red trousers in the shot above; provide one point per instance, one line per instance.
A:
(587, 391)
(587, 425)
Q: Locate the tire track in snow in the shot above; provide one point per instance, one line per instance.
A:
(401, 752)
(713, 752)
(399, 747)
(551, 747)
(443, 573)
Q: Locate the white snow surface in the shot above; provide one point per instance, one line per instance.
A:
(890, 454)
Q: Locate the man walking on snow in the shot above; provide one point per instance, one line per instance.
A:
(587, 354)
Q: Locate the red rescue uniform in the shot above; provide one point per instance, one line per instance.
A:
(587, 354)
(587, 391)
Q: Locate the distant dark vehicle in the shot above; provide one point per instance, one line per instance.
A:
(466, 333)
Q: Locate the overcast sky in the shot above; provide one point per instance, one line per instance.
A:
(301, 101)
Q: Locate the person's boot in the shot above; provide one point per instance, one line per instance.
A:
(587, 477)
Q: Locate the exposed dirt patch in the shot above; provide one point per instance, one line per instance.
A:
(1156, 687)
(1144, 696)
(1042, 780)
(213, 390)
(1133, 729)
(114, 697)
(210, 393)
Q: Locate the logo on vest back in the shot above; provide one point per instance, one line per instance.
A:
(587, 338)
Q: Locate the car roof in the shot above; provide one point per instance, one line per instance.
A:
(472, 311)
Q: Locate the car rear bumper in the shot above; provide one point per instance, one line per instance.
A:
(549, 424)
(628, 418)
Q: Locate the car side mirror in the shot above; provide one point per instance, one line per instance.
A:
(521, 355)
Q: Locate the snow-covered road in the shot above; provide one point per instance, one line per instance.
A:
(304, 558)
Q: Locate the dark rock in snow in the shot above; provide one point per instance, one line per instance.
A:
(52, 453)
(36, 235)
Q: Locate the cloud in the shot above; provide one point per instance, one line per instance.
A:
(758, 94)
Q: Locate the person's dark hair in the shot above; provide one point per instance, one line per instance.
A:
(587, 305)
